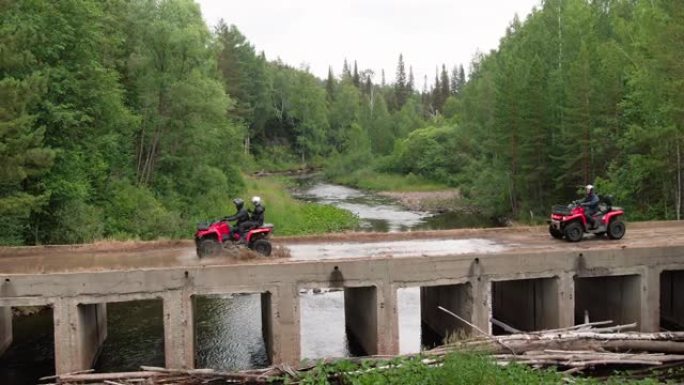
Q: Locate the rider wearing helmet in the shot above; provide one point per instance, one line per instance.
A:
(240, 217)
(256, 217)
(590, 204)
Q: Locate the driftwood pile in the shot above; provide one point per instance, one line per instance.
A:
(149, 375)
(591, 348)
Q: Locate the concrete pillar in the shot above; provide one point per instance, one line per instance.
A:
(80, 330)
(281, 325)
(566, 300)
(455, 298)
(650, 301)
(615, 298)
(361, 317)
(672, 300)
(526, 304)
(5, 328)
(388, 320)
(482, 308)
(179, 330)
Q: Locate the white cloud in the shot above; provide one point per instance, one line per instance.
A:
(320, 33)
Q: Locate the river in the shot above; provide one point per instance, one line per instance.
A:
(228, 327)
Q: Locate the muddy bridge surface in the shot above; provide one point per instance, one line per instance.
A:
(520, 276)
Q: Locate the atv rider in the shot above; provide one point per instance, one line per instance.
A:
(256, 217)
(240, 217)
(590, 204)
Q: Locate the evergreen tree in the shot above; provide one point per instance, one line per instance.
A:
(356, 79)
(330, 86)
(400, 85)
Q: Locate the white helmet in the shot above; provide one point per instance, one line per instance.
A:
(256, 200)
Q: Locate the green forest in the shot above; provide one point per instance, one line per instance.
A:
(135, 119)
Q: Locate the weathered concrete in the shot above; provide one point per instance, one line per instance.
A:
(361, 317)
(615, 298)
(80, 330)
(179, 327)
(455, 298)
(607, 279)
(5, 328)
(672, 299)
(526, 304)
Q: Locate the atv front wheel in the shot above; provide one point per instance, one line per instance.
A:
(208, 247)
(555, 232)
(616, 229)
(262, 247)
(573, 232)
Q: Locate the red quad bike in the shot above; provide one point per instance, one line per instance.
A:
(211, 237)
(570, 223)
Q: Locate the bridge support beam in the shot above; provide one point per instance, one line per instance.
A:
(280, 323)
(455, 298)
(80, 330)
(650, 301)
(672, 300)
(5, 328)
(527, 304)
(361, 317)
(615, 298)
(179, 330)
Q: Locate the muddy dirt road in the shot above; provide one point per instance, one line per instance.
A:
(167, 254)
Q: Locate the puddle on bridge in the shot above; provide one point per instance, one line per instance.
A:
(424, 247)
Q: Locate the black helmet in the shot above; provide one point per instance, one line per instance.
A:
(238, 202)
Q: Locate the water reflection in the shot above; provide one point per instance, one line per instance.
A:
(228, 332)
(135, 336)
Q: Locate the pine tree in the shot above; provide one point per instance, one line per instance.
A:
(410, 86)
(346, 72)
(330, 85)
(400, 86)
(444, 83)
(356, 79)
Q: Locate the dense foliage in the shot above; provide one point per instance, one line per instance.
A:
(581, 92)
(132, 119)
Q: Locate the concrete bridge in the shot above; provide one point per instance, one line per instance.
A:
(528, 280)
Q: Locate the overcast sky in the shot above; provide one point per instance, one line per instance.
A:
(322, 33)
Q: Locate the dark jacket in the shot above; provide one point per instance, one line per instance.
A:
(257, 215)
(591, 202)
(241, 216)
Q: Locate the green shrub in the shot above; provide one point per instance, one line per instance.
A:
(135, 212)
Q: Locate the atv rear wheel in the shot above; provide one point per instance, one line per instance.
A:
(573, 232)
(616, 229)
(208, 247)
(262, 247)
(555, 232)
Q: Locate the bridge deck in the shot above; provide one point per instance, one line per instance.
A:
(121, 256)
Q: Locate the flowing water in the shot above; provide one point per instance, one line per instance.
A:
(228, 327)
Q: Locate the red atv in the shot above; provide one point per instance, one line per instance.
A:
(570, 222)
(211, 237)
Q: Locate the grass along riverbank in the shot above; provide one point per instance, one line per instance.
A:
(455, 369)
(293, 217)
(367, 179)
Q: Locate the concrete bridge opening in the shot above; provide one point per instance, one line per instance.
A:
(616, 298)
(436, 325)
(526, 304)
(28, 345)
(323, 306)
(231, 330)
(122, 325)
(672, 300)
